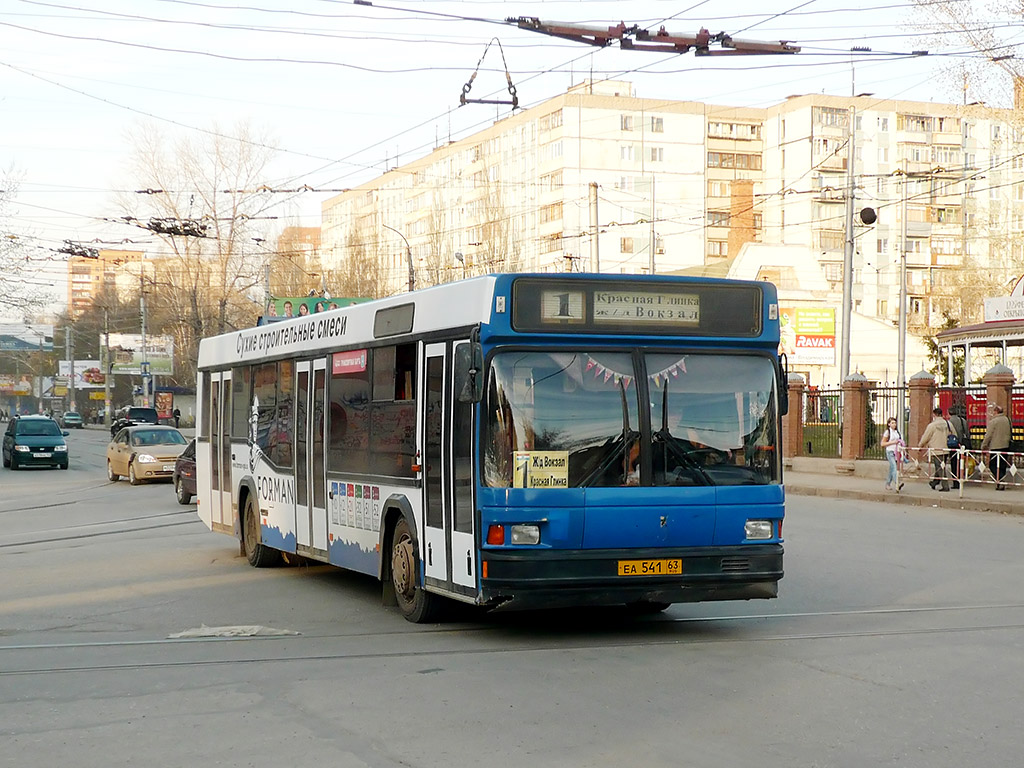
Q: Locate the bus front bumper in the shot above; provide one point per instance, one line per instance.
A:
(553, 578)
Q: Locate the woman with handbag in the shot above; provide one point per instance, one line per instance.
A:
(893, 443)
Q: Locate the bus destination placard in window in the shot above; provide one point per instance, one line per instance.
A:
(681, 309)
(541, 469)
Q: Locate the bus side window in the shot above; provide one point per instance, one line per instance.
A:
(393, 411)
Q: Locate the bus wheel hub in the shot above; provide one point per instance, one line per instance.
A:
(402, 567)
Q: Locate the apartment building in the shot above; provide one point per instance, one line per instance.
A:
(945, 180)
(682, 184)
(88, 277)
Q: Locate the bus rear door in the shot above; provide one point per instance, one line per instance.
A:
(310, 475)
(219, 403)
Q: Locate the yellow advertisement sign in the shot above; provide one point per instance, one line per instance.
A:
(808, 335)
(541, 469)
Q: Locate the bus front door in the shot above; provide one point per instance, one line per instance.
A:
(310, 475)
(448, 547)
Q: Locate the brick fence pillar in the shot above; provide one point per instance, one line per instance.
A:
(793, 421)
(922, 400)
(855, 410)
(998, 381)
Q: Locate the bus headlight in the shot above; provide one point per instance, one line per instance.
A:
(758, 529)
(526, 534)
(145, 458)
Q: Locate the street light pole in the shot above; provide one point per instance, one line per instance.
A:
(408, 257)
(844, 362)
(144, 367)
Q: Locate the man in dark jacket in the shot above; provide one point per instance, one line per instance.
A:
(963, 436)
(997, 439)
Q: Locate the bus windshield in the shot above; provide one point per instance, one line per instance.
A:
(573, 416)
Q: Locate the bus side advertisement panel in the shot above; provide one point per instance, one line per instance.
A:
(355, 515)
(275, 492)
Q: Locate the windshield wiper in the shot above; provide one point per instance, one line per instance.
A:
(614, 447)
(674, 444)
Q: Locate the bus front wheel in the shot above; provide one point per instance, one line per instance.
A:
(415, 603)
(258, 555)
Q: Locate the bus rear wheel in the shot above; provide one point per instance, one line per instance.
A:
(416, 604)
(258, 555)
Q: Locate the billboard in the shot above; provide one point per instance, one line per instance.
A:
(297, 306)
(15, 384)
(88, 373)
(26, 337)
(808, 335)
(126, 354)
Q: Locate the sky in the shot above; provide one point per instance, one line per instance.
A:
(342, 90)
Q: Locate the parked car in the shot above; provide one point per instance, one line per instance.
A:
(184, 476)
(72, 419)
(144, 452)
(131, 415)
(34, 441)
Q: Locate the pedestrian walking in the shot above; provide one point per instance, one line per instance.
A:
(958, 424)
(935, 440)
(996, 440)
(893, 443)
(177, 417)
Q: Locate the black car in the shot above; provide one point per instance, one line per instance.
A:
(34, 441)
(133, 415)
(184, 476)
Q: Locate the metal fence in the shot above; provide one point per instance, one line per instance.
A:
(823, 422)
(883, 403)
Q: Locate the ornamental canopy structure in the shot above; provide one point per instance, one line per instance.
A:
(981, 346)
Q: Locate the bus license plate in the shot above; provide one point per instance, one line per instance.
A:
(665, 567)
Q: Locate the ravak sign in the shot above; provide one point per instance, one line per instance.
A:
(808, 335)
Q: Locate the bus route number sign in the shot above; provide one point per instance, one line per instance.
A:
(666, 567)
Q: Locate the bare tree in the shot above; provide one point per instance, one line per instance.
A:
(502, 246)
(364, 270)
(22, 292)
(202, 285)
(966, 24)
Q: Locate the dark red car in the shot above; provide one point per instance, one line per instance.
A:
(184, 475)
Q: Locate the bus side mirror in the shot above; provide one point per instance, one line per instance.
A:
(469, 373)
(783, 384)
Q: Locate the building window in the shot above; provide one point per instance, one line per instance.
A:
(883, 124)
(718, 248)
(657, 125)
(916, 123)
(832, 116)
(626, 152)
(659, 245)
(626, 122)
(657, 154)
(626, 245)
(882, 245)
(718, 218)
(719, 188)
(833, 271)
(551, 212)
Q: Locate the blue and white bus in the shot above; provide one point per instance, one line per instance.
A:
(509, 441)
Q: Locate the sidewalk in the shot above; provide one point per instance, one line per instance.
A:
(865, 479)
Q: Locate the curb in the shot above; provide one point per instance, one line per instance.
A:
(970, 505)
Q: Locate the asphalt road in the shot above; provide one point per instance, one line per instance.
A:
(897, 641)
